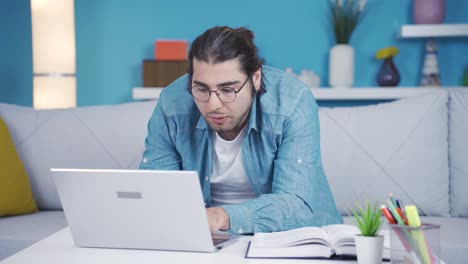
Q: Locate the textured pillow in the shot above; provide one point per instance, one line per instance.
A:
(458, 151)
(94, 137)
(15, 191)
(398, 147)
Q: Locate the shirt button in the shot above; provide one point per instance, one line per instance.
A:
(206, 178)
(299, 161)
(145, 160)
(240, 230)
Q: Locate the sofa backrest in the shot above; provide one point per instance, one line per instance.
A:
(101, 137)
(399, 147)
(408, 147)
(458, 151)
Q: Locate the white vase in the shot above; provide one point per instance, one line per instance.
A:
(341, 71)
(369, 249)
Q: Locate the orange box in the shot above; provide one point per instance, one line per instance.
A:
(173, 50)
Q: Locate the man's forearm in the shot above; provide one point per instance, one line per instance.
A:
(269, 213)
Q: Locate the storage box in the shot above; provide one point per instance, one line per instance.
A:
(171, 50)
(162, 73)
(414, 245)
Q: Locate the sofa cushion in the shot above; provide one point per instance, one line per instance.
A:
(106, 137)
(15, 191)
(398, 147)
(458, 151)
(18, 232)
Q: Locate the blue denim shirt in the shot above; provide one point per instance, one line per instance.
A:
(280, 154)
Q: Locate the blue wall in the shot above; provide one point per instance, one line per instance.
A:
(114, 36)
(15, 53)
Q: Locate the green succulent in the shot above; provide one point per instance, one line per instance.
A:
(368, 219)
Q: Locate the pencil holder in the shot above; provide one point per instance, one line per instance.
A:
(415, 245)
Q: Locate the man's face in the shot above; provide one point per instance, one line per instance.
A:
(227, 119)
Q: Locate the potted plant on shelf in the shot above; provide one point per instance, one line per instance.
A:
(369, 244)
(345, 16)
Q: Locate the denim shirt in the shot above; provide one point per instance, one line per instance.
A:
(280, 154)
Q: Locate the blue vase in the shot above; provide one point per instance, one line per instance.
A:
(388, 75)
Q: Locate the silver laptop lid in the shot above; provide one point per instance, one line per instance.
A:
(139, 209)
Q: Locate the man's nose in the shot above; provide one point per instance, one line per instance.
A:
(214, 102)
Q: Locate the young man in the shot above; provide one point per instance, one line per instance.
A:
(251, 132)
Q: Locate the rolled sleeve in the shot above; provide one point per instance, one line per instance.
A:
(240, 219)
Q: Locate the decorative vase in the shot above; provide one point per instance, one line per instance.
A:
(388, 75)
(428, 11)
(369, 250)
(341, 71)
(430, 71)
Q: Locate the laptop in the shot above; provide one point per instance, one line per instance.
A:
(136, 209)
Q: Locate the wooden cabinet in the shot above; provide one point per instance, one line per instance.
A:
(158, 73)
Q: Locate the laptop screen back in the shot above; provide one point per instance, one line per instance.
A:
(138, 209)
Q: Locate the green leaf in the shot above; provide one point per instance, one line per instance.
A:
(368, 219)
(345, 19)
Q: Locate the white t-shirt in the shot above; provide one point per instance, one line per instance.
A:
(229, 182)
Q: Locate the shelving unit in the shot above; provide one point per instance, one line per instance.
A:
(429, 31)
(146, 93)
(355, 93)
(361, 93)
(434, 30)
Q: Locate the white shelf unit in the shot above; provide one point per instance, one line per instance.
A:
(355, 93)
(434, 30)
(146, 93)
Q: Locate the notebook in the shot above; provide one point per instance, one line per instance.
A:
(137, 209)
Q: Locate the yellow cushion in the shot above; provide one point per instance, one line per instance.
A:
(15, 191)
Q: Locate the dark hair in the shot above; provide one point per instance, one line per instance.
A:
(220, 44)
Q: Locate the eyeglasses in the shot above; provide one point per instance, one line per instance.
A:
(225, 94)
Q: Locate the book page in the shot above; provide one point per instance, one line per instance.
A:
(294, 237)
(341, 238)
(301, 251)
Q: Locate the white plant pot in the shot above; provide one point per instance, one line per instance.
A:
(369, 249)
(341, 71)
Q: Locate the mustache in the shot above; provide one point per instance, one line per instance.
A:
(214, 113)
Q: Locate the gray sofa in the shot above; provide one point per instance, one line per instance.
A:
(416, 148)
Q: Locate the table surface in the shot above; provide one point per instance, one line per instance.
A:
(59, 248)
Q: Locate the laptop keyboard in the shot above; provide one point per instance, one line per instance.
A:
(219, 238)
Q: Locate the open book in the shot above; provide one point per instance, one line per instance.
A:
(332, 241)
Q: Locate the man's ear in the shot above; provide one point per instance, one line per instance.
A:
(257, 78)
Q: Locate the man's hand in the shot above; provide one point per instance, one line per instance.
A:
(218, 219)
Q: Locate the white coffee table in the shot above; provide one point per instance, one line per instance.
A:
(59, 248)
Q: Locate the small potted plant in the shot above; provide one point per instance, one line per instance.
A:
(369, 244)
